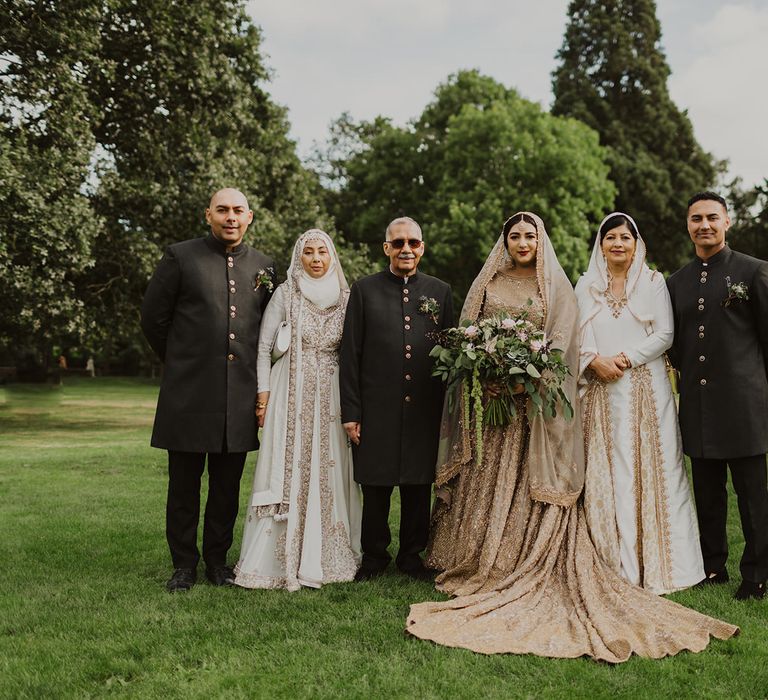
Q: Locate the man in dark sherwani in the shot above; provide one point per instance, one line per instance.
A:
(201, 315)
(390, 403)
(720, 304)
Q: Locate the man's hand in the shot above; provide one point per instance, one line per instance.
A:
(353, 431)
(262, 399)
(606, 368)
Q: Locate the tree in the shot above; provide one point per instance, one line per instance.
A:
(185, 112)
(477, 154)
(613, 77)
(749, 219)
(46, 220)
(119, 119)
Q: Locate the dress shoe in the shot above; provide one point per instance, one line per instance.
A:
(182, 580)
(220, 575)
(713, 578)
(420, 573)
(750, 589)
(366, 574)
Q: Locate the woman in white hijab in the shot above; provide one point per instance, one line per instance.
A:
(636, 495)
(303, 522)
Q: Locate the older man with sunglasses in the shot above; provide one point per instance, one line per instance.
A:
(390, 403)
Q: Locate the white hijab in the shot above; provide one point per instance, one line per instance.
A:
(321, 291)
(594, 283)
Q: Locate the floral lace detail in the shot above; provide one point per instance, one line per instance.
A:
(339, 561)
(320, 339)
(270, 511)
(280, 549)
(599, 487)
(654, 546)
(247, 580)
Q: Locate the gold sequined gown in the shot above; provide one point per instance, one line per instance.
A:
(526, 574)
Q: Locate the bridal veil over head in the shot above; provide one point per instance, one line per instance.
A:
(556, 451)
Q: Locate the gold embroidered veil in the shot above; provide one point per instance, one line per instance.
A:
(555, 451)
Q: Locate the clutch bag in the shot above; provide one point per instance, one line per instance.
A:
(673, 375)
(282, 341)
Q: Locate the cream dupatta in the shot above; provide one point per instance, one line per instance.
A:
(555, 453)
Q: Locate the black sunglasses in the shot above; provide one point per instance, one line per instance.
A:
(398, 243)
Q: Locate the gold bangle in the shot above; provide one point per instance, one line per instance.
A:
(261, 404)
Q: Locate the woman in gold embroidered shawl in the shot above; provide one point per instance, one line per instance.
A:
(509, 535)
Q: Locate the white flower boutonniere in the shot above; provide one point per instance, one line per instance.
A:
(736, 292)
(429, 307)
(265, 278)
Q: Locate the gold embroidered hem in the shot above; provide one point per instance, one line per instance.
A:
(560, 600)
(246, 580)
(529, 580)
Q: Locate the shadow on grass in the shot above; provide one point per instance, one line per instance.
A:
(42, 422)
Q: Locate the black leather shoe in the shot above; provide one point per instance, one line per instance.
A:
(750, 589)
(220, 575)
(182, 580)
(713, 578)
(365, 574)
(421, 573)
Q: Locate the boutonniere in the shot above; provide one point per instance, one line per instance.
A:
(429, 307)
(736, 292)
(265, 278)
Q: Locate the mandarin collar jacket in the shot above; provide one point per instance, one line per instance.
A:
(720, 349)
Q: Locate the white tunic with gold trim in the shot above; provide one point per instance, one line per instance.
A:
(636, 496)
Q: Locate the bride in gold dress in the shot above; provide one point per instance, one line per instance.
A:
(509, 535)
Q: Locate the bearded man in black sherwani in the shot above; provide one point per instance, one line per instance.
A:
(201, 315)
(390, 403)
(720, 303)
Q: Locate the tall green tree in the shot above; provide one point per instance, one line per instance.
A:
(119, 119)
(612, 75)
(47, 223)
(185, 111)
(749, 219)
(477, 154)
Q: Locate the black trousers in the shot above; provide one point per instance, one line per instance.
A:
(414, 525)
(750, 481)
(182, 513)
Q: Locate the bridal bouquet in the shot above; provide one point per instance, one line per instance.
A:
(505, 351)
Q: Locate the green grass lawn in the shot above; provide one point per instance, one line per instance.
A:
(84, 612)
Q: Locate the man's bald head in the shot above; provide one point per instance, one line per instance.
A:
(228, 193)
(228, 216)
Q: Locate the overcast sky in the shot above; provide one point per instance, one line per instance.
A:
(385, 57)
